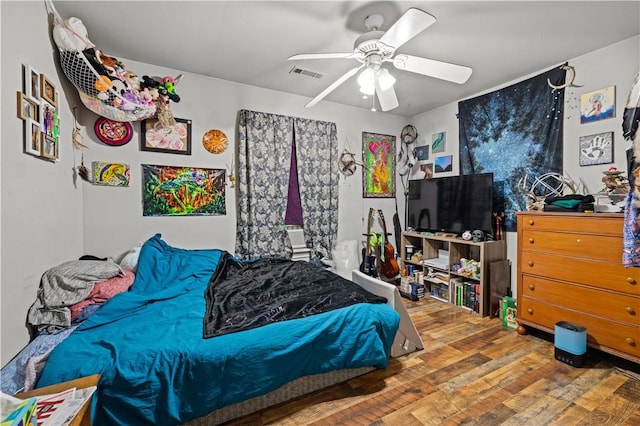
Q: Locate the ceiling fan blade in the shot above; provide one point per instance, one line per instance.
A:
(333, 85)
(304, 56)
(410, 24)
(387, 98)
(429, 67)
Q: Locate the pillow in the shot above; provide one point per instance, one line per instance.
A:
(130, 261)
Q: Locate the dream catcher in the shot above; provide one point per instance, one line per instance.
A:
(406, 160)
(347, 162)
(78, 143)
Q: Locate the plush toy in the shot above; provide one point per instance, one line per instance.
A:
(165, 89)
(109, 62)
(102, 85)
(71, 34)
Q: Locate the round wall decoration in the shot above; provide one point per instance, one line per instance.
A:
(113, 133)
(215, 141)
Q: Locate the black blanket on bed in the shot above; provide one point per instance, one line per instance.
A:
(244, 295)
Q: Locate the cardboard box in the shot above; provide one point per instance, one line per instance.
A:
(83, 418)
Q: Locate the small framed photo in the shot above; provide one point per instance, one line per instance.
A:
(26, 108)
(48, 90)
(32, 137)
(171, 140)
(31, 83)
(49, 120)
(49, 147)
(596, 149)
(421, 153)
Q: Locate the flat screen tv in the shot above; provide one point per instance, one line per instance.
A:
(451, 204)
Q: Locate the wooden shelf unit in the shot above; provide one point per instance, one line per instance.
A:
(484, 252)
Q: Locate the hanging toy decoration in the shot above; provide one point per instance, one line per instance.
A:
(162, 91)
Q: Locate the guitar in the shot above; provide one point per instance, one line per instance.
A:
(388, 263)
(368, 265)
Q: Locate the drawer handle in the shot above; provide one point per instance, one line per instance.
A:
(631, 310)
(631, 280)
(531, 241)
(578, 240)
(630, 341)
(530, 312)
(531, 222)
(531, 263)
(532, 287)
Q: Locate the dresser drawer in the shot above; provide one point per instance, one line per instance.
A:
(582, 223)
(609, 305)
(600, 331)
(607, 275)
(602, 247)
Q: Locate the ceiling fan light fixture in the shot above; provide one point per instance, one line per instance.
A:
(366, 80)
(385, 79)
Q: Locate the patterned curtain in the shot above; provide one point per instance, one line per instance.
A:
(264, 158)
(318, 178)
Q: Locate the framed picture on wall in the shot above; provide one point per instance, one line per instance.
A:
(171, 140)
(49, 147)
(26, 108)
(596, 149)
(48, 90)
(31, 83)
(443, 164)
(379, 171)
(32, 138)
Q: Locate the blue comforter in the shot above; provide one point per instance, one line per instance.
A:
(157, 369)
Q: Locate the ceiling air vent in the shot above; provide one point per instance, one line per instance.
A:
(306, 72)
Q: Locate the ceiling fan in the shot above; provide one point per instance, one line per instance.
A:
(375, 47)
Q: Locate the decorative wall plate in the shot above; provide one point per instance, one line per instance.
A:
(215, 141)
(113, 133)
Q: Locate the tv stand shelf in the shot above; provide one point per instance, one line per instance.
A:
(448, 251)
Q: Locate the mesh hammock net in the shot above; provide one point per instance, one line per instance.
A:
(96, 90)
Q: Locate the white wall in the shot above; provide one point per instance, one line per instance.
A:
(214, 104)
(42, 211)
(614, 65)
(50, 220)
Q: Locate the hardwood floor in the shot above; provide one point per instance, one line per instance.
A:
(473, 371)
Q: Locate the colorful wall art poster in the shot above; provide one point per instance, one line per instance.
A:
(598, 105)
(110, 174)
(182, 191)
(379, 171)
(438, 142)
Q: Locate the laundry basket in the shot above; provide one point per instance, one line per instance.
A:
(96, 89)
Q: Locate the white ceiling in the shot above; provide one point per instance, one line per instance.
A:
(249, 41)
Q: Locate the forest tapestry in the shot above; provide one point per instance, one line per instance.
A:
(513, 132)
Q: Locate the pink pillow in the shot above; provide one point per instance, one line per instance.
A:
(104, 291)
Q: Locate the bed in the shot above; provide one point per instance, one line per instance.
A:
(156, 368)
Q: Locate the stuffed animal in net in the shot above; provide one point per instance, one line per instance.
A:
(162, 91)
(104, 84)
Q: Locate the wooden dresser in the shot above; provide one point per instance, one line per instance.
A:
(570, 269)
